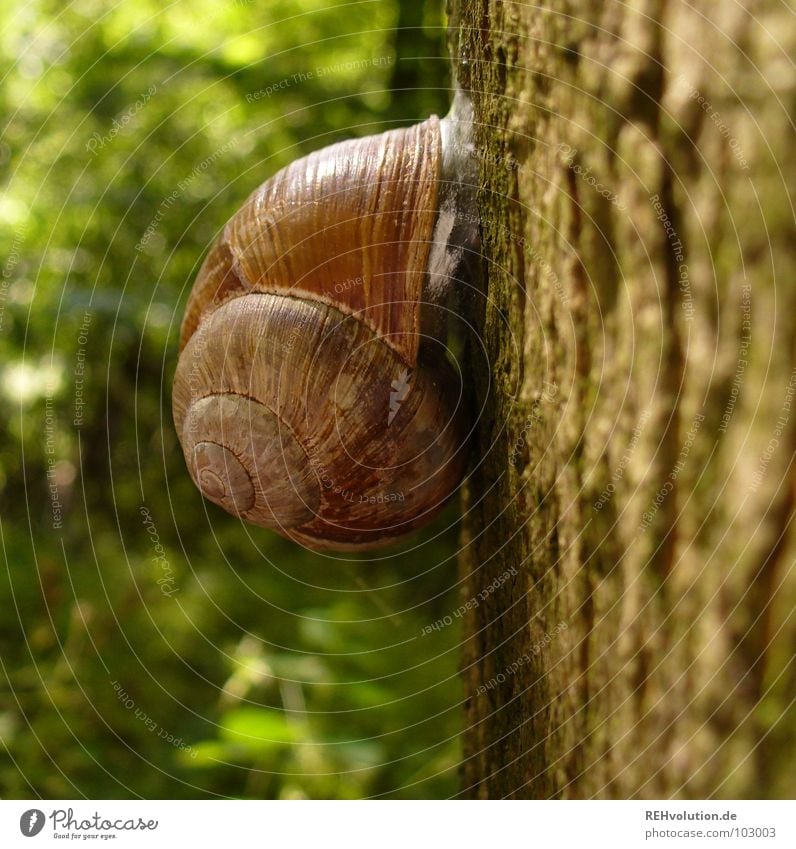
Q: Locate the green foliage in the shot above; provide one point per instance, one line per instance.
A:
(150, 644)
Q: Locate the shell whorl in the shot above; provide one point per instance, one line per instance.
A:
(360, 215)
(305, 317)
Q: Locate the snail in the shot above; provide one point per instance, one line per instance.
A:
(314, 393)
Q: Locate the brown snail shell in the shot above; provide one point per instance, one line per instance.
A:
(307, 398)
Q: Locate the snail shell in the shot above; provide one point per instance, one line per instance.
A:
(313, 394)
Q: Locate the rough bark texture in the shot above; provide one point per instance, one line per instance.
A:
(628, 551)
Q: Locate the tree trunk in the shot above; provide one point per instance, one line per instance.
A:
(627, 566)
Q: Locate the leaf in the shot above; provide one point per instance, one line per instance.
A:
(258, 728)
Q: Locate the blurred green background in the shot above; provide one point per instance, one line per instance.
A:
(152, 645)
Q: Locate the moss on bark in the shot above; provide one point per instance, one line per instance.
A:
(633, 501)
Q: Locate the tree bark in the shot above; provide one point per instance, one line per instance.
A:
(627, 561)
